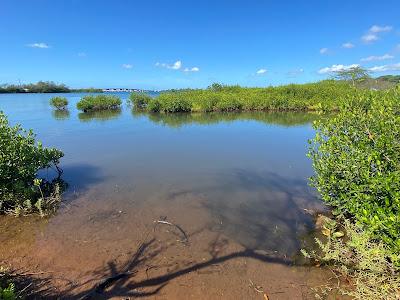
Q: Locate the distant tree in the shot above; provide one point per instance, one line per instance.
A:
(216, 87)
(354, 74)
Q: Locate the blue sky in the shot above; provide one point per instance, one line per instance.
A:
(174, 44)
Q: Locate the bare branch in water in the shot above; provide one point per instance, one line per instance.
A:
(163, 222)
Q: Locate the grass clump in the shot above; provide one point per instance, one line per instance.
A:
(59, 103)
(139, 100)
(364, 267)
(21, 191)
(98, 102)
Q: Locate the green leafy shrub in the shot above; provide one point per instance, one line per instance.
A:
(139, 100)
(154, 106)
(98, 102)
(356, 156)
(59, 102)
(228, 104)
(327, 95)
(21, 159)
(172, 103)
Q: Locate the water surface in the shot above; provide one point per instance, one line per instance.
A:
(240, 176)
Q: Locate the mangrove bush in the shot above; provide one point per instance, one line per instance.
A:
(59, 102)
(139, 100)
(21, 158)
(356, 156)
(326, 95)
(98, 102)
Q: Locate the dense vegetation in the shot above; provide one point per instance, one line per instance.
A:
(39, 87)
(21, 191)
(356, 156)
(98, 102)
(44, 87)
(139, 100)
(322, 96)
(59, 102)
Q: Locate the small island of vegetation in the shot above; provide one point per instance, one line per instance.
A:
(59, 103)
(98, 102)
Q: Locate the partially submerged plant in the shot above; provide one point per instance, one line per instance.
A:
(59, 103)
(139, 100)
(98, 102)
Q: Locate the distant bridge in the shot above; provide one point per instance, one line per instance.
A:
(116, 90)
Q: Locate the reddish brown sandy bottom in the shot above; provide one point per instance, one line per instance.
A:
(92, 240)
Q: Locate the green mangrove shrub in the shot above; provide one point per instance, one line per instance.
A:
(21, 159)
(98, 102)
(327, 95)
(59, 102)
(139, 100)
(356, 156)
(172, 103)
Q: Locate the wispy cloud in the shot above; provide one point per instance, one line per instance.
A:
(175, 66)
(377, 58)
(369, 38)
(194, 69)
(38, 45)
(372, 34)
(127, 66)
(82, 54)
(385, 68)
(378, 29)
(323, 50)
(337, 68)
(348, 45)
(261, 71)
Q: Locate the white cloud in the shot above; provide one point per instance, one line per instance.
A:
(337, 68)
(39, 45)
(369, 38)
(375, 58)
(194, 69)
(175, 66)
(372, 34)
(323, 50)
(384, 68)
(348, 45)
(82, 54)
(261, 71)
(127, 66)
(378, 29)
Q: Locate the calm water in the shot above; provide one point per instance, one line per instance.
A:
(243, 175)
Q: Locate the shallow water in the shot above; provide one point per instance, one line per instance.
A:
(230, 178)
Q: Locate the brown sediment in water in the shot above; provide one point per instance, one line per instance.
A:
(91, 241)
